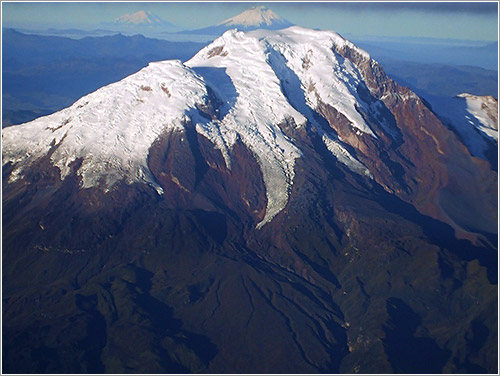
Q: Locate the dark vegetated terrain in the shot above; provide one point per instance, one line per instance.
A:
(347, 278)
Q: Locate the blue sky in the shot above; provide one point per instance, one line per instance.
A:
(457, 20)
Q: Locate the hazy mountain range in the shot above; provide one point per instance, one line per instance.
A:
(417, 50)
(428, 52)
(42, 74)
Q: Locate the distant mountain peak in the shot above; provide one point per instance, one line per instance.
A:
(255, 16)
(140, 17)
(142, 20)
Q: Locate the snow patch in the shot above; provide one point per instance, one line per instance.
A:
(473, 117)
(344, 157)
(485, 111)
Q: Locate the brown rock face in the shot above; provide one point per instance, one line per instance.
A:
(193, 175)
(416, 156)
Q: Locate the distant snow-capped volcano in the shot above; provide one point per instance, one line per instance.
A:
(258, 17)
(140, 21)
(138, 18)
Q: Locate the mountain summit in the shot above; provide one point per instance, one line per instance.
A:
(138, 18)
(140, 21)
(258, 17)
(276, 204)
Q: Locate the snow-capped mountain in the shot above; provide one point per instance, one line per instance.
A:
(242, 87)
(140, 22)
(113, 129)
(138, 18)
(276, 204)
(474, 118)
(258, 17)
